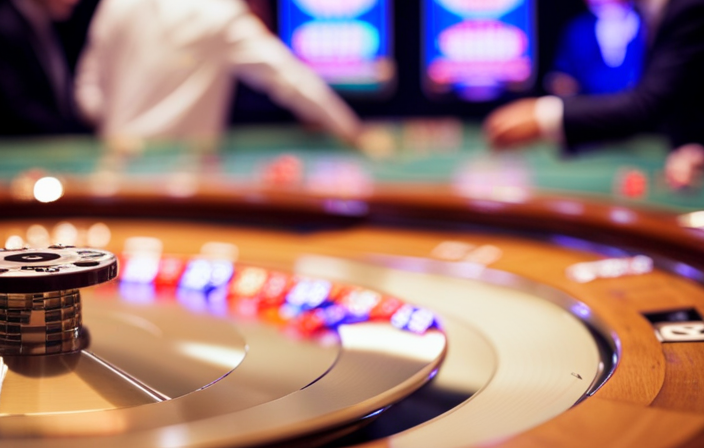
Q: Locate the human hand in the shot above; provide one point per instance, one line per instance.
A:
(375, 141)
(512, 125)
(684, 166)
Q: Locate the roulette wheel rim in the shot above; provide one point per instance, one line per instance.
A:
(609, 223)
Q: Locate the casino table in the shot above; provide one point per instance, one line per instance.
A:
(431, 151)
(490, 265)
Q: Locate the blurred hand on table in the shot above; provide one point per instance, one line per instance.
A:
(684, 166)
(375, 141)
(513, 125)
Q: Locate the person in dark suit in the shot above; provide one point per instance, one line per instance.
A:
(35, 82)
(599, 51)
(669, 98)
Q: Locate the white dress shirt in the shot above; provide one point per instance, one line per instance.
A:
(163, 69)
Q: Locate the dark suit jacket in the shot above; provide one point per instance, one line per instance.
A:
(579, 55)
(28, 105)
(669, 96)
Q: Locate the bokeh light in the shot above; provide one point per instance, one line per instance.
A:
(14, 242)
(38, 236)
(99, 235)
(48, 189)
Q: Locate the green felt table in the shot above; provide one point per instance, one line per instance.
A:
(245, 149)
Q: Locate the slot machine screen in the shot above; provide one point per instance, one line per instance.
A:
(346, 42)
(477, 50)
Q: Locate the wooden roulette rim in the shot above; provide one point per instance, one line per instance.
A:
(648, 401)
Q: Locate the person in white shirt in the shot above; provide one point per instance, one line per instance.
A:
(164, 69)
(668, 97)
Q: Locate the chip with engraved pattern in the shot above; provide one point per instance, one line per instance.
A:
(25, 271)
(40, 301)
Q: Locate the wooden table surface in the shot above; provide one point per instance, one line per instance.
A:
(655, 397)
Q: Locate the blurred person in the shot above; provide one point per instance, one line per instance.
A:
(35, 81)
(600, 51)
(669, 98)
(163, 70)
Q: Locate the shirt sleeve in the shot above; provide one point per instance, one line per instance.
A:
(263, 62)
(89, 96)
(88, 83)
(549, 111)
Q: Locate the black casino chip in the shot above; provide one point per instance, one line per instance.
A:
(57, 268)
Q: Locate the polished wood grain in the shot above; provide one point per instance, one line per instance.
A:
(654, 397)
(622, 224)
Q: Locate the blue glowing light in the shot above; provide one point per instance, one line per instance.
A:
(309, 293)
(326, 9)
(193, 299)
(135, 292)
(221, 274)
(332, 315)
(202, 274)
(421, 320)
(140, 269)
(217, 301)
(410, 318)
(476, 48)
(197, 275)
(346, 42)
(342, 42)
(479, 8)
(581, 310)
(402, 317)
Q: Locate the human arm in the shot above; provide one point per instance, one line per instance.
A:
(525, 121)
(90, 79)
(671, 78)
(670, 86)
(88, 91)
(262, 61)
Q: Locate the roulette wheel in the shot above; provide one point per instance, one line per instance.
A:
(494, 336)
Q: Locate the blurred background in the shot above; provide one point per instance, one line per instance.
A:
(403, 30)
(422, 75)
